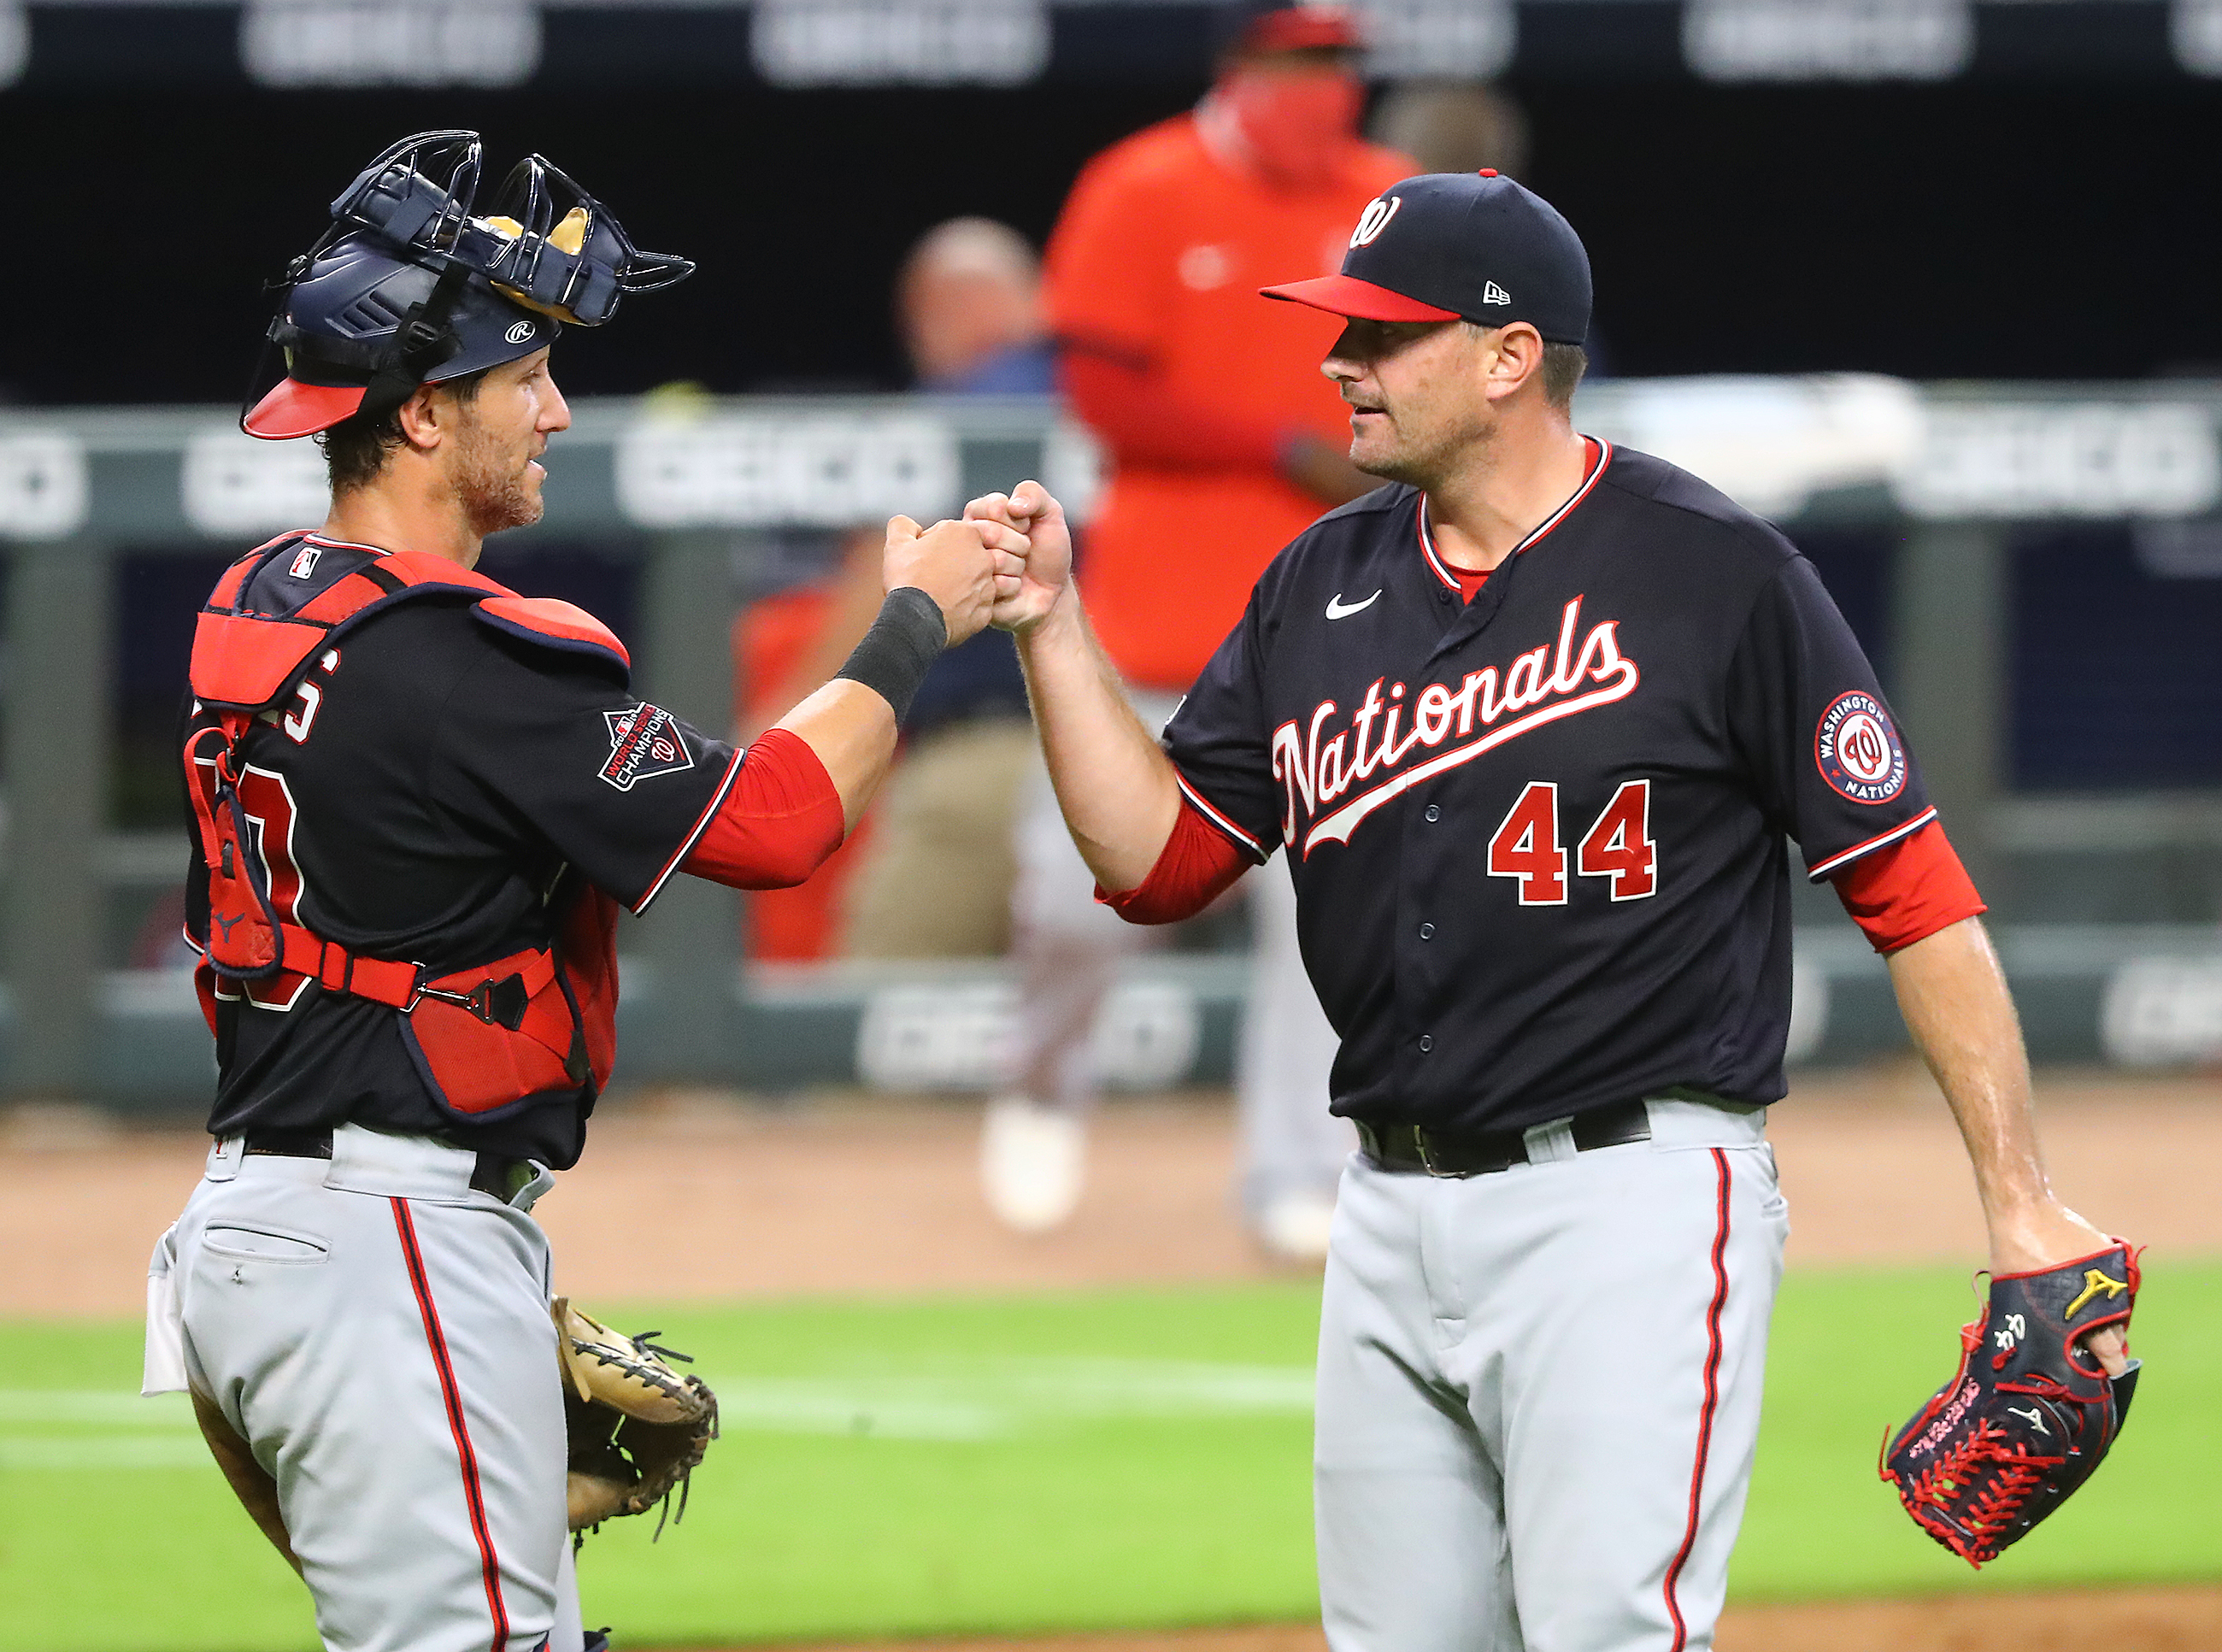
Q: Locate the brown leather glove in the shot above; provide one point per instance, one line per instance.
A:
(637, 1428)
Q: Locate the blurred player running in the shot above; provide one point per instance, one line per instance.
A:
(1226, 444)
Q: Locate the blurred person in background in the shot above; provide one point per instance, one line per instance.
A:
(929, 876)
(1225, 444)
(1454, 126)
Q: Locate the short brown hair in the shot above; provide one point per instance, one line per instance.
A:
(1562, 370)
(1563, 367)
(355, 450)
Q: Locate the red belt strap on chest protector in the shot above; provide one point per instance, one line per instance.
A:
(499, 1032)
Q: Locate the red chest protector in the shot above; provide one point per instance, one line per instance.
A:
(499, 1032)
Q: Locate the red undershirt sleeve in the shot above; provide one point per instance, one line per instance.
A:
(1908, 891)
(779, 821)
(1146, 420)
(1197, 866)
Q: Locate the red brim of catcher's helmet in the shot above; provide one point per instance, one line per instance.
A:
(1345, 295)
(294, 408)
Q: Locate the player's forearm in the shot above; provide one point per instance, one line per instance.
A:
(851, 722)
(852, 729)
(1953, 995)
(1114, 784)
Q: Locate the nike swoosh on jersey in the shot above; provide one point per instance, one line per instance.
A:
(1337, 609)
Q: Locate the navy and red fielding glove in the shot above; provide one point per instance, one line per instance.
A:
(2030, 1414)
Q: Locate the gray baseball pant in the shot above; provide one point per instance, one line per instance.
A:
(377, 1330)
(1539, 1392)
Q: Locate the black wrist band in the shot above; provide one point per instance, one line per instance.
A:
(904, 641)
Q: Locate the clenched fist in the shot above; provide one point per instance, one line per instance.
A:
(1045, 572)
(968, 569)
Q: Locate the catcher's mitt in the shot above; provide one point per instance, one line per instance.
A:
(2026, 1420)
(637, 1428)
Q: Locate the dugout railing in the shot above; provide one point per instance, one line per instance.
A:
(701, 490)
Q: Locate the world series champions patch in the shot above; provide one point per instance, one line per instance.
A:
(1858, 750)
(644, 742)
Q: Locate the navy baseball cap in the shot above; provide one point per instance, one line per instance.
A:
(1451, 245)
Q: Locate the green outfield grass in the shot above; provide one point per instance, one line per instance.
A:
(1113, 1458)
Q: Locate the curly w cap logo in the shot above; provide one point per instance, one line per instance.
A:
(1858, 750)
(644, 742)
(1374, 220)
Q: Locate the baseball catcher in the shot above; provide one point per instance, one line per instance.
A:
(417, 800)
(2030, 1414)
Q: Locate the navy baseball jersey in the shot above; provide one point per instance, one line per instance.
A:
(1538, 838)
(428, 795)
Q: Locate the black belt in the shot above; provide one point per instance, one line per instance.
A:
(490, 1175)
(1414, 1149)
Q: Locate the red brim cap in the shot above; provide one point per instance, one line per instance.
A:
(294, 408)
(1301, 29)
(1345, 295)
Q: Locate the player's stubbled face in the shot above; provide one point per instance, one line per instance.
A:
(504, 429)
(1415, 405)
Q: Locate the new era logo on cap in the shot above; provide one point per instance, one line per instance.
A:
(1465, 242)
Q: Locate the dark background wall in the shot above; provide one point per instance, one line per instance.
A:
(1971, 231)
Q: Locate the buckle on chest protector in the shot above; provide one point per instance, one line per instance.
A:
(498, 1003)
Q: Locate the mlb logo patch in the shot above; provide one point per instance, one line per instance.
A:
(644, 742)
(305, 561)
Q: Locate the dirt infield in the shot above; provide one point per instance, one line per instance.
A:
(2126, 1620)
(695, 1196)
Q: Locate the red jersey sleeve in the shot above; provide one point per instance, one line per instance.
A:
(1197, 866)
(1109, 271)
(779, 821)
(1908, 890)
(1144, 420)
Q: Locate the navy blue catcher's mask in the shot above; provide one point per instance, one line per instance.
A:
(408, 288)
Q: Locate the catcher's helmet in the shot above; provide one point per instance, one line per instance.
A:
(408, 288)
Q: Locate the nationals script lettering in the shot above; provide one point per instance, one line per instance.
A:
(1317, 767)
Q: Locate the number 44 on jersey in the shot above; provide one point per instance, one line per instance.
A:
(1528, 845)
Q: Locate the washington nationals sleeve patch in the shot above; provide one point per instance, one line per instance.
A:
(644, 742)
(1858, 750)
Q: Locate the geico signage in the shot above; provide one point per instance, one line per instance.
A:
(2080, 459)
(2163, 1012)
(921, 43)
(43, 493)
(964, 1036)
(1826, 40)
(233, 484)
(829, 469)
(390, 42)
